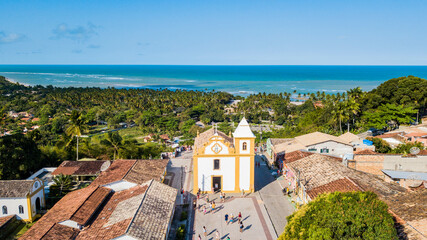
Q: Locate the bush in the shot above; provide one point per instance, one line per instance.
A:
(351, 215)
(180, 233)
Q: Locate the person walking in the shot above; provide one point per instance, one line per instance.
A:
(199, 238)
(231, 218)
(205, 232)
(240, 215)
(223, 197)
(204, 210)
(220, 196)
(217, 235)
(241, 227)
(213, 206)
(226, 218)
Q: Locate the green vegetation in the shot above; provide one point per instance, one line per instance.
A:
(102, 114)
(351, 215)
(180, 232)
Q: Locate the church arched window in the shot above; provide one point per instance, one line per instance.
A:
(4, 208)
(21, 209)
(245, 146)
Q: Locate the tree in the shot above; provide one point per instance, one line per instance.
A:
(387, 114)
(350, 215)
(61, 184)
(77, 124)
(381, 146)
(113, 139)
(339, 113)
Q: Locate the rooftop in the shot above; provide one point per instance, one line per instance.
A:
(79, 168)
(341, 185)
(349, 137)
(15, 188)
(243, 130)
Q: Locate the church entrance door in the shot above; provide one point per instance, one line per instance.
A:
(216, 183)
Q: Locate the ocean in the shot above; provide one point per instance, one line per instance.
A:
(239, 80)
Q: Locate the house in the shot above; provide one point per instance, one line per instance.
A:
(357, 142)
(402, 169)
(81, 170)
(127, 201)
(224, 163)
(417, 137)
(45, 175)
(13, 114)
(394, 139)
(317, 173)
(164, 137)
(23, 198)
(315, 142)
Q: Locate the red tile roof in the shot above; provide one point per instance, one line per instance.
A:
(89, 207)
(145, 170)
(296, 155)
(61, 211)
(102, 227)
(79, 168)
(340, 185)
(61, 232)
(366, 152)
(116, 172)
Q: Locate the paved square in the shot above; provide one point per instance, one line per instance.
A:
(256, 226)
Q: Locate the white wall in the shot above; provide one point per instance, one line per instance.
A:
(245, 173)
(205, 171)
(335, 148)
(12, 205)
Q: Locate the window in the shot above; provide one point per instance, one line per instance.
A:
(36, 185)
(216, 164)
(4, 208)
(21, 209)
(244, 146)
(324, 150)
(312, 150)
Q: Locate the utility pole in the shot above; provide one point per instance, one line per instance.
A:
(77, 148)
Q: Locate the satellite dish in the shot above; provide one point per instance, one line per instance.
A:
(105, 165)
(414, 150)
(414, 180)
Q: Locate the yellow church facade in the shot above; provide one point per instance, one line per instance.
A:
(223, 162)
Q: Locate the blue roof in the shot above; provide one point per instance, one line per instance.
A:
(406, 175)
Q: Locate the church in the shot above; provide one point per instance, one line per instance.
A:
(224, 162)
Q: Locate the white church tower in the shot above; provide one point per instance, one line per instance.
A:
(224, 163)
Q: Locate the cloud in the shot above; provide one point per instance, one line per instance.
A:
(78, 33)
(11, 37)
(93, 46)
(77, 51)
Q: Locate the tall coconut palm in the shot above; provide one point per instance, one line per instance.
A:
(114, 140)
(77, 124)
(339, 113)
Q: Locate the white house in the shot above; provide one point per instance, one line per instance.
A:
(224, 163)
(24, 198)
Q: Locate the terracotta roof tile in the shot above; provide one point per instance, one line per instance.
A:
(116, 172)
(145, 170)
(79, 168)
(15, 188)
(61, 211)
(100, 229)
(366, 152)
(89, 207)
(61, 232)
(153, 216)
(340, 185)
(296, 155)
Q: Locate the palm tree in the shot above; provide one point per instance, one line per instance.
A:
(339, 112)
(77, 124)
(63, 182)
(353, 107)
(114, 140)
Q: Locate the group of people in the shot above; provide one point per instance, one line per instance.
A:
(231, 219)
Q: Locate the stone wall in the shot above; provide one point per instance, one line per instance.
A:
(368, 163)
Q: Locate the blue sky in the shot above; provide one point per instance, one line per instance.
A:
(224, 32)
